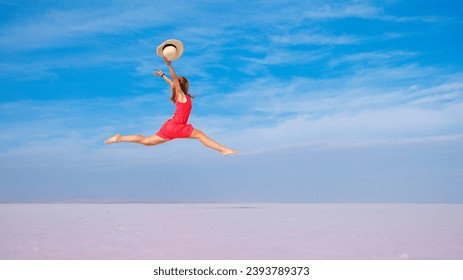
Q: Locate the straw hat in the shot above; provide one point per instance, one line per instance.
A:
(172, 49)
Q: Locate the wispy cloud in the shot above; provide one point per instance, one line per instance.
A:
(384, 57)
(58, 28)
(342, 10)
(386, 126)
(46, 66)
(315, 39)
(363, 10)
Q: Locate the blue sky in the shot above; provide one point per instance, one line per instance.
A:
(328, 101)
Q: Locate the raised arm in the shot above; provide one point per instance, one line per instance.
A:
(164, 76)
(178, 89)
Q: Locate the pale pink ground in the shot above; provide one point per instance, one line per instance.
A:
(231, 231)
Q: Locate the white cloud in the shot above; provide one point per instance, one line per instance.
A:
(344, 10)
(312, 38)
(56, 28)
(47, 66)
(385, 127)
(383, 57)
(362, 10)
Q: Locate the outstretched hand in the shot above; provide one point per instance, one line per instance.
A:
(158, 73)
(166, 60)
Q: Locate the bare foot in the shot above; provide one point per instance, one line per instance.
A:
(113, 139)
(228, 152)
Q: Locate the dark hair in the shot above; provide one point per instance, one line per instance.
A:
(184, 86)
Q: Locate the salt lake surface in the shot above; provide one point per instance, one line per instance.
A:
(231, 231)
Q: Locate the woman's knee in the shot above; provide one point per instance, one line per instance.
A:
(153, 140)
(197, 134)
(146, 141)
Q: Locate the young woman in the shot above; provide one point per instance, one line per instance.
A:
(177, 126)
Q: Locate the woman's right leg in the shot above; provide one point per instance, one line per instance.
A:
(140, 139)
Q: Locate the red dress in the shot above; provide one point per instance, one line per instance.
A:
(177, 126)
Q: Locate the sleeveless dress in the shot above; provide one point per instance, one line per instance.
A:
(177, 126)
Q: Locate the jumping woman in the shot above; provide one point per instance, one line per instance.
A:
(177, 126)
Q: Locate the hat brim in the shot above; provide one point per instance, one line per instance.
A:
(171, 42)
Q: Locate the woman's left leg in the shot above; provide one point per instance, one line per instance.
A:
(208, 142)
